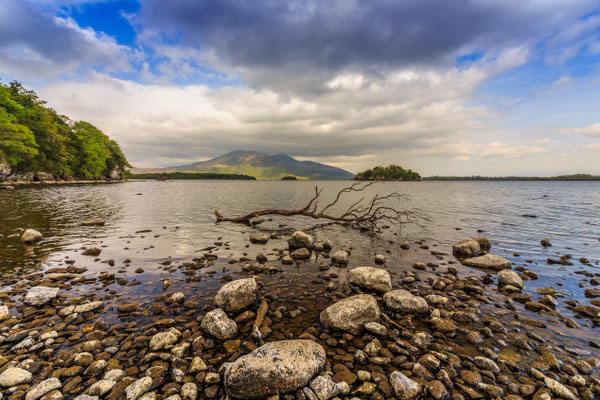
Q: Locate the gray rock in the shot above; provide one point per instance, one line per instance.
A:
(324, 387)
(466, 248)
(237, 295)
(219, 325)
(371, 278)
(256, 375)
(189, 391)
(14, 376)
(559, 390)
(490, 261)
(42, 388)
(340, 257)
(87, 307)
(376, 328)
(510, 277)
(401, 300)
(40, 295)
(404, 387)
(101, 387)
(138, 388)
(300, 240)
(4, 314)
(31, 236)
(352, 313)
(164, 339)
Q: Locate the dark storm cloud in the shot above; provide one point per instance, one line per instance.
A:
(334, 35)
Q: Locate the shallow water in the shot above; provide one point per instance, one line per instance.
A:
(151, 222)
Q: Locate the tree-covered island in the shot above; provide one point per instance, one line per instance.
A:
(390, 173)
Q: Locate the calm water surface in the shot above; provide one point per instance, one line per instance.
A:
(148, 223)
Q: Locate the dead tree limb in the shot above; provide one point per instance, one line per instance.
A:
(371, 213)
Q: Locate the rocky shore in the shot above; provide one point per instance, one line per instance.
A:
(458, 326)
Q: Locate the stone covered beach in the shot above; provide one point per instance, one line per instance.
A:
(296, 322)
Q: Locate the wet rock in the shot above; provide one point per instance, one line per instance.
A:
(217, 324)
(559, 390)
(325, 388)
(351, 314)
(404, 387)
(189, 391)
(466, 248)
(31, 236)
(93, 222)
(490, 261)
(510, 277)
(138, 388)
(93, 252)
(436, 390)
(259, 237)
(376, 328)
(14, 376)
(300, 240)
(237, 295)
(401, 300)
(340, 257)
(300, 254)
(484, 243)
(545, 242)
(371, 278)
(40, 295)
(379, 259)
(164, 339)
(87, 307)
(101, 387)
(443, 325)
(592, 293)
(4, 314)
(486, 363)
(287, 260)
(255, 375)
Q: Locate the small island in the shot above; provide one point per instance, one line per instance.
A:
(390, 173)
(289, 178)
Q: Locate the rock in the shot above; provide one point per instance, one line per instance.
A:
(559, 390)
(351, 314)
(101, 387)
(405, 245)
(31, 236)
(300, 254)
(589, 293)
(324, 387)
(510, 277)
(4, 314)
(371, 278)
(93, 222)
(300, 240)
(443, 325)
(340, 257)
(404, 387)
(92, 252)
(189, 391)
(217, 324)
(164, 339)
(466, 248)
(486, 363)
(138, 388)
(237, 295)
(484, 243)
(379, 259)
(42, 388)
(87, 307)
(287, 260)
(256, 375)
(197, 365)
(259, 237)
(40, 295)
(491, 261)
(128, 307)
(545, 242)
(376, 328)
(401, 300)
(14, 376)
(437, 390)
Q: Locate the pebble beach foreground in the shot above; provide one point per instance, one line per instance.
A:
(433, 331)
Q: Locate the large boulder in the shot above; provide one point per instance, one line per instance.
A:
(489, 261)
(31, 236)
(371, 278)
(466, 248)
(300, 240)
(276, 367)
(40, 295)
(237, 295)
(351, 314)
(403, 301)
(217, 324)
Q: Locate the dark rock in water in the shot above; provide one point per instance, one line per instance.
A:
(300, 254)
(466, 248)
(94, 252)
(93, 222)
(340, 258)
(592, 292)
(484, 243)
(300, 240)
(258, 237)
(352, 313)
(276, 367)
(545, 242)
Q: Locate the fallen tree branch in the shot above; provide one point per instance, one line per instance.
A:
(368, 214)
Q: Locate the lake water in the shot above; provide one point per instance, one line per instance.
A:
(154, 226)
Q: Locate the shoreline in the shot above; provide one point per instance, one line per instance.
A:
(58, 182)
(450, 331)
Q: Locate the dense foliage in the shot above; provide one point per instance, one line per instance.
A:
(574, 177)
(389, 173)
(190, 175)
(34, 138)
(289, 178)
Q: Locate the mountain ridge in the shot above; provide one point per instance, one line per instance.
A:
(264, 167)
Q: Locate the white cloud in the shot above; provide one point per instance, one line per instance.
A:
(590, 130)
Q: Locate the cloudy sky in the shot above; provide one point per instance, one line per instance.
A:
(448, 87)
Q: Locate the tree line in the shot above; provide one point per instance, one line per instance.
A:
(35, 138)
(390, 173)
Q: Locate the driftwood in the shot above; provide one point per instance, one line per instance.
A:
(367, 213)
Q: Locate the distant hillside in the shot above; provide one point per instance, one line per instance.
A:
(264, 166)
(574, 177)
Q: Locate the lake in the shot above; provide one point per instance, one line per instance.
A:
(155, 230)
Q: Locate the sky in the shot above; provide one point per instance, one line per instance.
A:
(444, 87)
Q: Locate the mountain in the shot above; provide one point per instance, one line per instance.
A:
(264, 166)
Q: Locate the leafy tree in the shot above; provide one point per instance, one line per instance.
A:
(391, 172)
